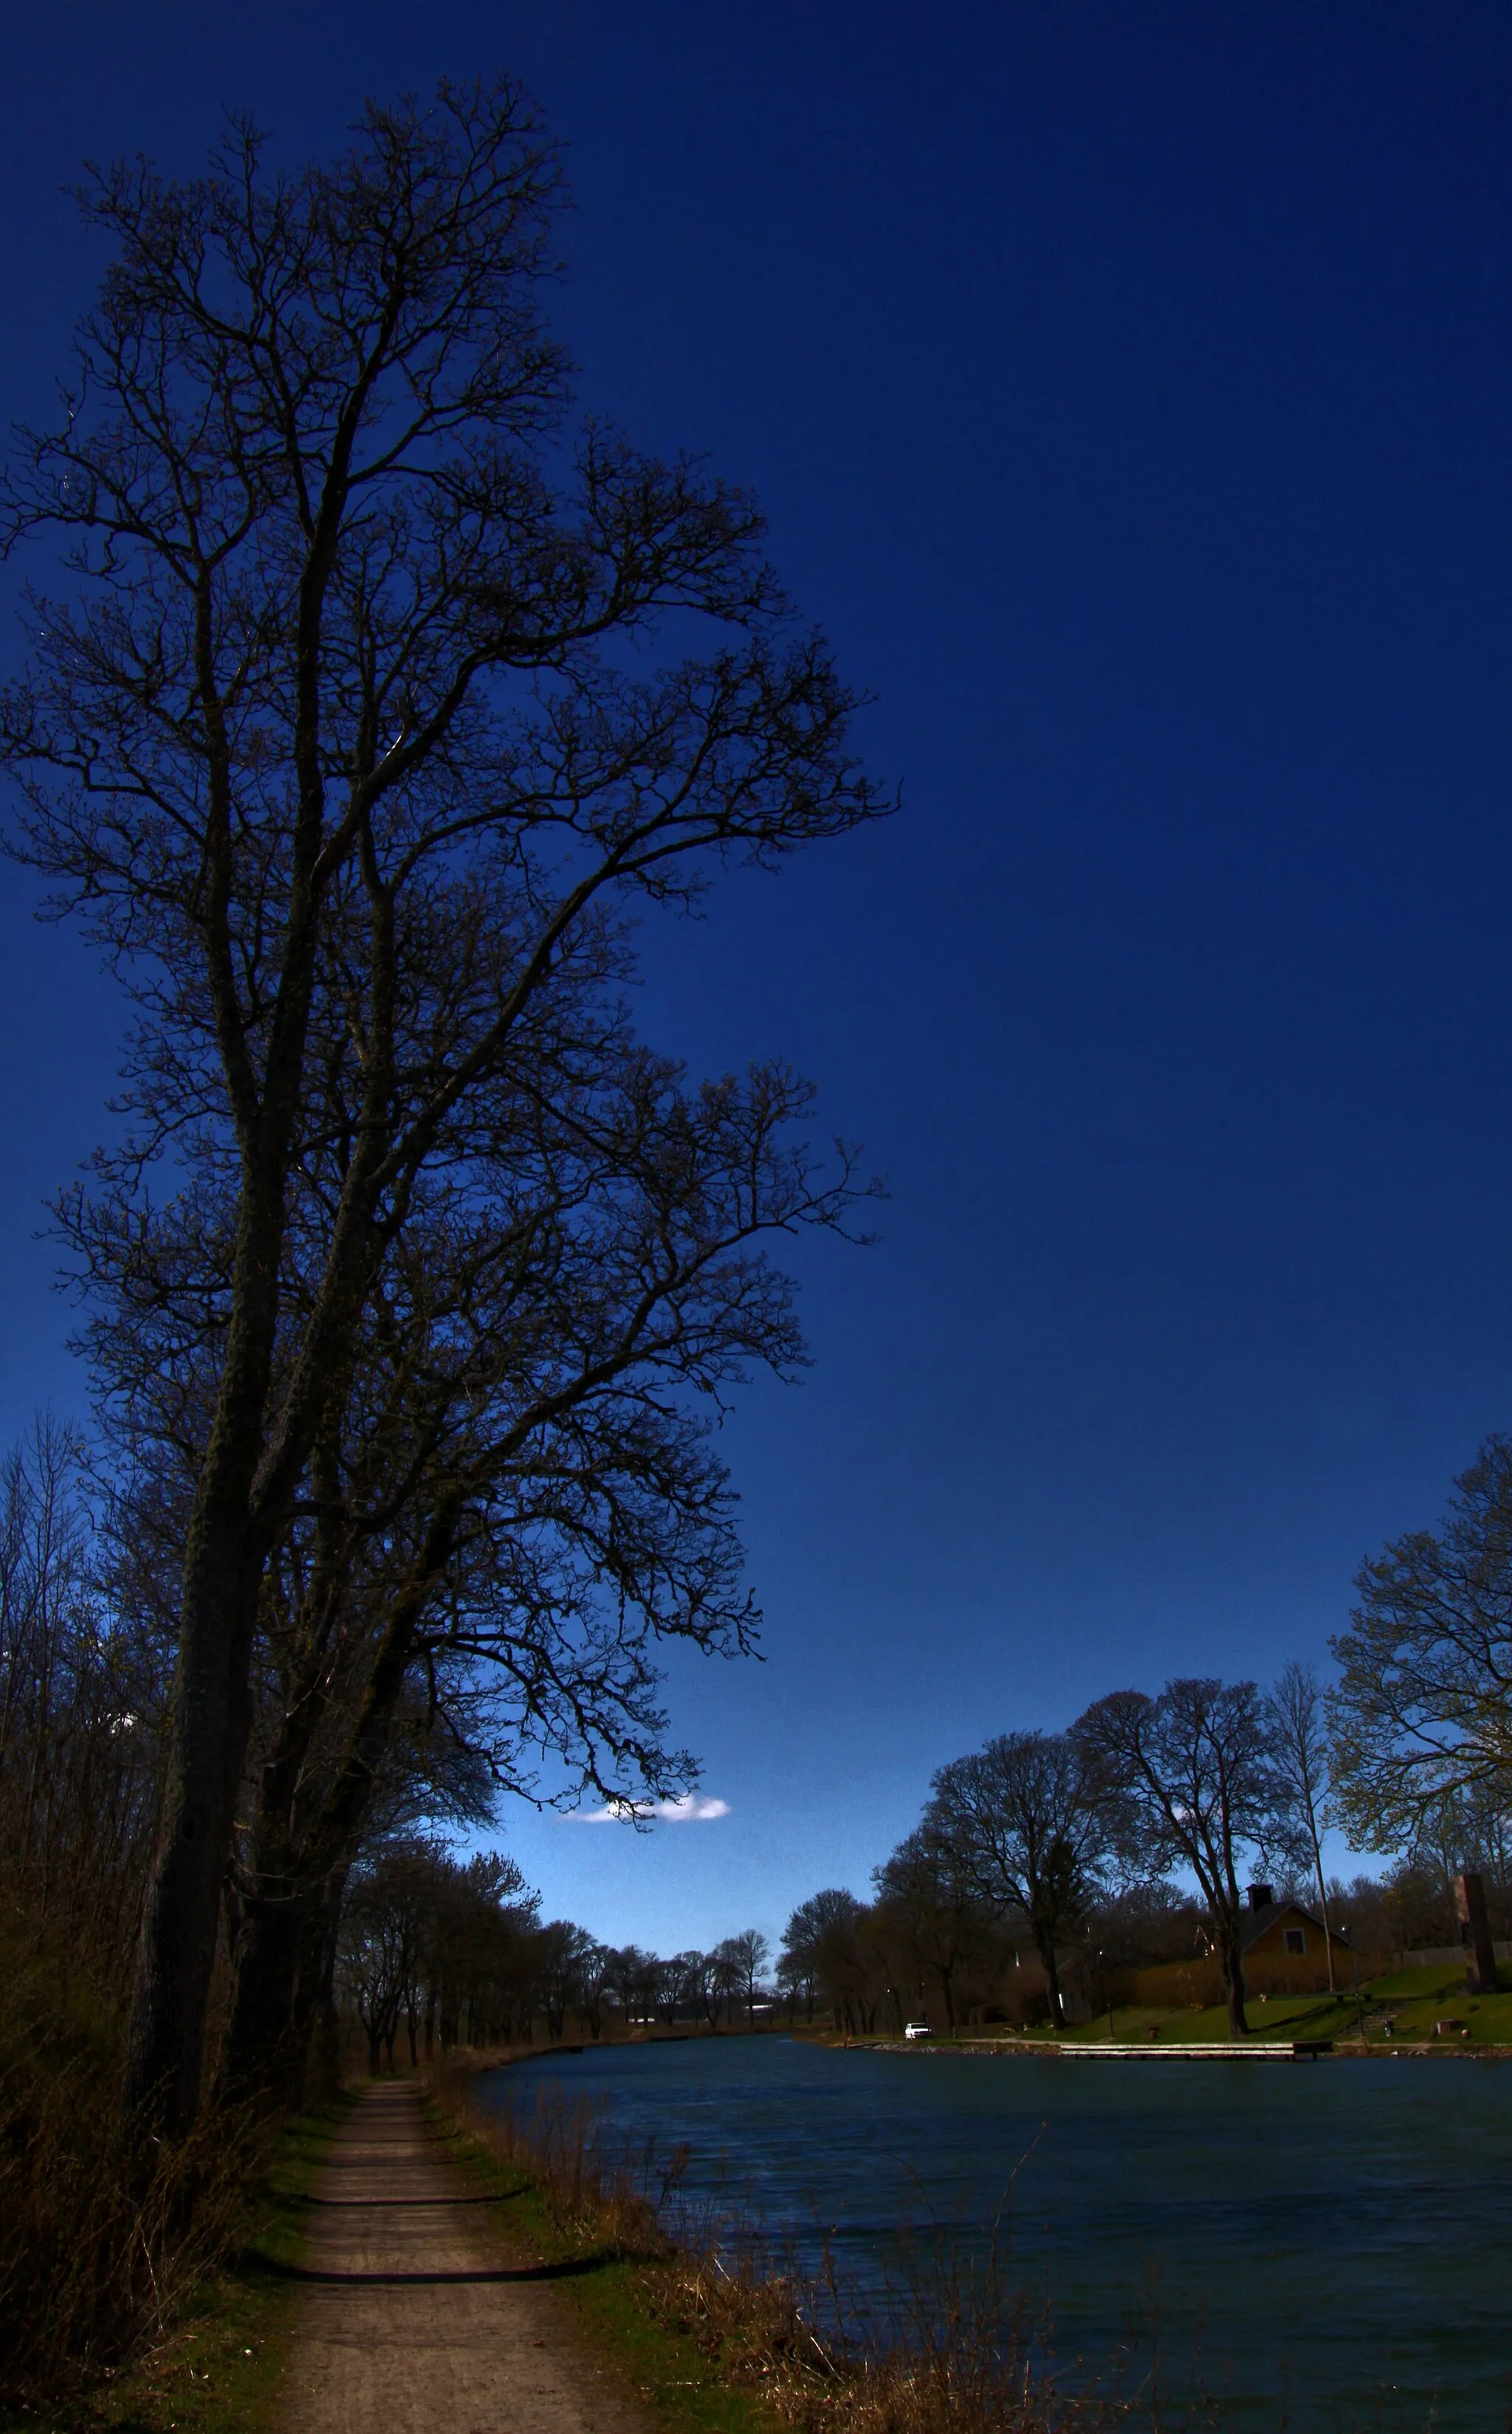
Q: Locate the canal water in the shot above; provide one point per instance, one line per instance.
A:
(1321, 2247)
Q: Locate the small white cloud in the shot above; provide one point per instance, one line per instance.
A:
(692, 1808)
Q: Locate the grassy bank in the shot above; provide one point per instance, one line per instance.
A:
(718, 2337)
(563, 2215)
(214, 2365)
(1404, 2009)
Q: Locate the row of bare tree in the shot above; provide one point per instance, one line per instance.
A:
(457, 1952)
(81, 1702)
(447, 1949)
(1150, 1806)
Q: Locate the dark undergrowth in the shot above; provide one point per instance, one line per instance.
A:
(119, 2265)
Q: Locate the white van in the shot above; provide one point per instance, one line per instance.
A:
(917, 2029)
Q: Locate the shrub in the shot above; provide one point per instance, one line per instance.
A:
(98, 2244)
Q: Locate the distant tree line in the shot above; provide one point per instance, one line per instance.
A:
(429, 1950)
(442, 1952)
(1131, 1839)
(1045, 1869)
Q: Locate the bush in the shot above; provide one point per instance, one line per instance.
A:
(99, 2243)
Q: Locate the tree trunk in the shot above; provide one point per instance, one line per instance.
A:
(225, 1554)
(1231, 1963)
(323, 2076)
(285, 1966)
(261, 2038)
(1323, 1910)
(207, 1744)
(947, 1987)
(290, 1947)
(1045, 1947)
(314, 2038)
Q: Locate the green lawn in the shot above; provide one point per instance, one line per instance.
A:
(1400, 2009)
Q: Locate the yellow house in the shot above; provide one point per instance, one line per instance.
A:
(1285, 1950)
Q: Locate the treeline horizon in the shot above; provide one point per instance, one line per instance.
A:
(1128, 1841)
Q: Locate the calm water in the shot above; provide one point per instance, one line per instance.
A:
(1329, 2243)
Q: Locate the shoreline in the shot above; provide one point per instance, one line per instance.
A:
(1237, 2050)
(1260, 2048)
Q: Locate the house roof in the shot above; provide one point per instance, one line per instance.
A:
(1257, 1921)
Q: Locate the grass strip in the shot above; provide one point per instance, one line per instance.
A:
(620, 2301)
(1413, 2007)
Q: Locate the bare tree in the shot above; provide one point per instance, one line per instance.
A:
(515, 1511)
(932, 1900)
(823, 1941)
(1188, 1780)
(711, 1983)
(82, 1689)
(1422, 1709)
(340, 754)
(564, 1954)
(593, 1985)
(741, 1960)
(1022, 1823)
(678, 1984)
(479, 1948)
(798, 1980)
(632, 1976)
(384, 1933)
(1299, 1747)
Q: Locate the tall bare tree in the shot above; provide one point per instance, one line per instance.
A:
(742, 1959)
(1188, 1780)
(823, 1944)
(479, 1947)
(1021, 1820)
(517, 1500)
(1299, 1747)
(930, 1895)
(346, 748)
(1422, 1709)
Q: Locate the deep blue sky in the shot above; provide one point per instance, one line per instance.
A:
(1128, 389)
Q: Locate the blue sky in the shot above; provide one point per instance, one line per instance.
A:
(1127, 387)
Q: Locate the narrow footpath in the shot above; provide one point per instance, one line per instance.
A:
(418, 2317)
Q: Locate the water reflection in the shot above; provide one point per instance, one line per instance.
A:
(1327, 2244)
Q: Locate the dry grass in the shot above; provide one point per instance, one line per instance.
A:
(98, 2246)
(951, 2349)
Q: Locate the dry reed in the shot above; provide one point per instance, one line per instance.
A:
(98, 2244)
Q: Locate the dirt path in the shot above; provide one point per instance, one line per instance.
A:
(416, 2318)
